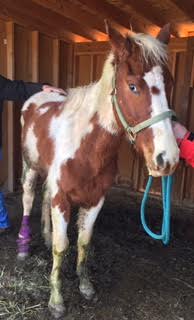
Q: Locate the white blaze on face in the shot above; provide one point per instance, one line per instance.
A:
(164, 140)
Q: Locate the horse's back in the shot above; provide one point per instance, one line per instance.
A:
(42, 98)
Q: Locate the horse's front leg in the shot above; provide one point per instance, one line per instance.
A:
(87, 218)
(60, 214)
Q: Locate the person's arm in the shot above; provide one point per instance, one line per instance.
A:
(18, 90)
(185, 140)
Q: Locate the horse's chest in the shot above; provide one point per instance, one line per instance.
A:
(92, 170)
(97, 151)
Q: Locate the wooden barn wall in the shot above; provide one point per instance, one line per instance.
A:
(88, 62)
(22, 66)
(3, 71)
(30, 56)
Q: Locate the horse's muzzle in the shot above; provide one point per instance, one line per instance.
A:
(165, 170)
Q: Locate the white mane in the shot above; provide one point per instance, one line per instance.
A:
(151, 48)
(96, 98)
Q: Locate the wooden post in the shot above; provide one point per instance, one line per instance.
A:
(35, 56)
(70, 66)
(56, 62)
(10, 75)
(92, 68)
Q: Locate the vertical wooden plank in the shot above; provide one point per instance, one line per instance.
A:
(172, 67)
(83, 70)
(23, 71)
(45, 59)
(192, 74)
(98, 64)
(63, 65)
(56, 45)
(187, 176)
(10, 75)
(189, 102)
(91, 68)
(35, 55)
(3, 71)
(70, 65)
(66, 70)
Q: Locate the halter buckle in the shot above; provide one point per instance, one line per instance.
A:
(132, 136)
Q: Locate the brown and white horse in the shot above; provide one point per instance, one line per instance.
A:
(74, 142)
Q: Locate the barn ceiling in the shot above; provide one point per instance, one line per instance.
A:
(83, 20)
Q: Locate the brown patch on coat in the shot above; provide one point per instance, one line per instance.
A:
(41, 124)
(64, 206)
(86, 178)
(155, 90)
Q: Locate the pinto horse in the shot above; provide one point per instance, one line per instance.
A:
(74, 142)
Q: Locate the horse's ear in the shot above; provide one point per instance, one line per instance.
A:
(116, 39)
(164, 34)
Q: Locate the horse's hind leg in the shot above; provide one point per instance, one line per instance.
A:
(46, 217)
(87, 218)
(28, 182)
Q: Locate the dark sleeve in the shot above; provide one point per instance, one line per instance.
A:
(17, 90)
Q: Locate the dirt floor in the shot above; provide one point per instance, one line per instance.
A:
(136, 278)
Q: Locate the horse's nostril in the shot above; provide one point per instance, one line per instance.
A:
(160, 159)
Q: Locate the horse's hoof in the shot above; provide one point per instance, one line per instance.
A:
(21, 256)
(87, 289)
(57, 310)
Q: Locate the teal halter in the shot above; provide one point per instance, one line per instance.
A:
(133, 130)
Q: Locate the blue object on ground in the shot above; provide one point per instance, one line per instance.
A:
(4, 219)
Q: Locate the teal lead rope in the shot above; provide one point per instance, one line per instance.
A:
(166, 197)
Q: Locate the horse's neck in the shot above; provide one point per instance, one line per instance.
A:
(101, 145)
(95, 99)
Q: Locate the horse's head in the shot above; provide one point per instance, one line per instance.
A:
(143, 85)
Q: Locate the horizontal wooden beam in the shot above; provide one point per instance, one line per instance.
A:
(54, 19)
(111, 12)
(187, 6)
(150, 13)
(35, 17)
(144, 9)
(91, 47)
(74, 12)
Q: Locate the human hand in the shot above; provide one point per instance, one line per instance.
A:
(47, 88)
(179, 131)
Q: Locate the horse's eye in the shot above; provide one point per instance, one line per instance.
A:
(133, 88)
